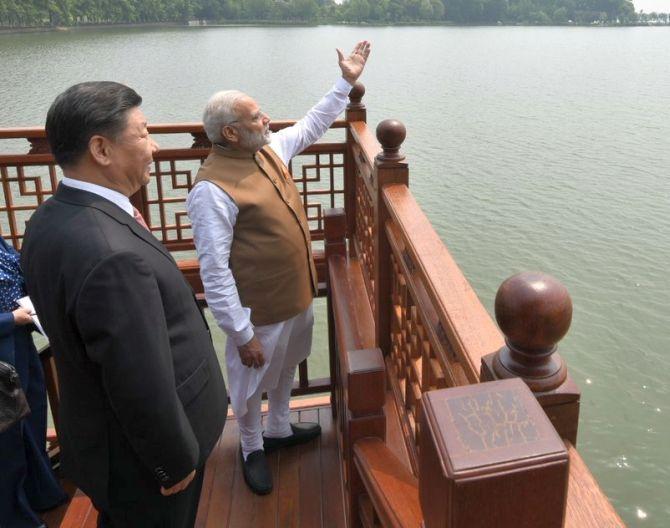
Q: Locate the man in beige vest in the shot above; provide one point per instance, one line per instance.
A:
(256, 263)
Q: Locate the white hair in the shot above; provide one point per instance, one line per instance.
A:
(220, 111)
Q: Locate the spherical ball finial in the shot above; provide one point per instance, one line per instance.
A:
(357, 92)
(533, 310)
(391, 133)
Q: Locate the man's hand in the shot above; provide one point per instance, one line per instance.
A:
(179, 486)
(22, 317)
(352, 66)
(251, 354)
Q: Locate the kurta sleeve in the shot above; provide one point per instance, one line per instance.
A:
(293, 140)
(213, 215)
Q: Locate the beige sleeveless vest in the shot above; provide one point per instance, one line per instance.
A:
(271, 254)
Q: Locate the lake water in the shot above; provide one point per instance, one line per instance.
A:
(529, 149)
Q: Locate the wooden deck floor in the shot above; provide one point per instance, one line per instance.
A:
(307, 483)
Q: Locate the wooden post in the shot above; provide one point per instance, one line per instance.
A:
(355, 112)
(390, 167)
(489, 457)
(365, 389)
(335, 231)
(534, 311)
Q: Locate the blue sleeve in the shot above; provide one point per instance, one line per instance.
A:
(6, 323)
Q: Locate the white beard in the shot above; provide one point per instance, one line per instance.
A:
(253, 141)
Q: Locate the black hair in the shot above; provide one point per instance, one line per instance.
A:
(84, 110)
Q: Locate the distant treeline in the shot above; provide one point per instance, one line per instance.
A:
(54, 13)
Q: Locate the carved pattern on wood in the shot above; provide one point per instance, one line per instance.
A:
(492, 420)
(26, 183)
(364, 232)
(320, 180)
(24, 188)
(420, 351)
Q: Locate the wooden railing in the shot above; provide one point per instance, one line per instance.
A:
(29, 176)
(402, 317)
(433, 333)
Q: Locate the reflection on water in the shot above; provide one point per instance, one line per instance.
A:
(529, 148)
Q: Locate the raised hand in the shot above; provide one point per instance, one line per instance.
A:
(353, 65)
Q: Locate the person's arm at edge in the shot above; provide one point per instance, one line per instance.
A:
(292, 140)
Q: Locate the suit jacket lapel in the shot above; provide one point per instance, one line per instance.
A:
(88, 199)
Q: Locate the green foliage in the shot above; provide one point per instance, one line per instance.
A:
(24, 13)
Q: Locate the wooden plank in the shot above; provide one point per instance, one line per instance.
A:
(392, 488)
(288, 486)
(53, 518)
(332, 495)
(247, 508)
(366, 139)
(351, 307)
(78, 511)
(215, 499)
(587, 507)
(310, 476)
(92, 519)
(156, 128)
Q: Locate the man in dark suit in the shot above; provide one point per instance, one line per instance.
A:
(142, 398)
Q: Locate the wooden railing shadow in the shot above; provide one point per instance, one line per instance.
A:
(392, 277)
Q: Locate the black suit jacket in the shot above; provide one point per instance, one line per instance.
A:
(142, 397)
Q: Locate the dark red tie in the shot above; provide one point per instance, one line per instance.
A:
(140, 219)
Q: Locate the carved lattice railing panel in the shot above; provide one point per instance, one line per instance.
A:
(320, 180)
(24, 188)
(421, 357)
(30, 177)
(164, 200)
(364, 231)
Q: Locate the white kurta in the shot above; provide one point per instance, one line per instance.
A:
(213, 215)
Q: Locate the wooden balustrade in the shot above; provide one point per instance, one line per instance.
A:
(402, 316)
(359, 374)
(29, 176)
(434, 333)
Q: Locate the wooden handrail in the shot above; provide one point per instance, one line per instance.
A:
(154, 128)
(366, 140)
(393, 490)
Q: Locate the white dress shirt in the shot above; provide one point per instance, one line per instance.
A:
(213, 215)
(113, 196)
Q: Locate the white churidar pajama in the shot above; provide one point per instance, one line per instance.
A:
(285, 344)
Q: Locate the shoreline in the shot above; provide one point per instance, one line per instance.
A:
(270, 23)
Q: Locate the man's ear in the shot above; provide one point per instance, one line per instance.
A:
(230, 134)
(99, 148)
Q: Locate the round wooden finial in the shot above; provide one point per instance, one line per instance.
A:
(391, 133)
(534, 311)
(356, 96)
